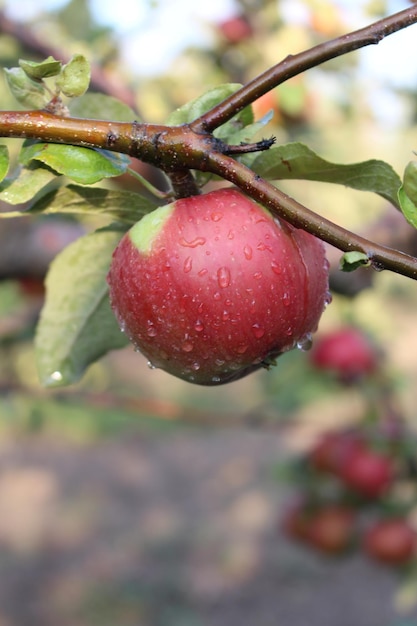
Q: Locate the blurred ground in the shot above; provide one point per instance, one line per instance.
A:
(166, 529)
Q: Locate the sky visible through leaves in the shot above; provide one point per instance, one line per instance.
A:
(153, 32)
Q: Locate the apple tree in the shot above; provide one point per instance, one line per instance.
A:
(209, 286)
(203, 263)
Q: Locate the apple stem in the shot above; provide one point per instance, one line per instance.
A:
(183, 183)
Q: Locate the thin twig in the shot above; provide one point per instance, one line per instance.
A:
(298, 63)
(289, 209)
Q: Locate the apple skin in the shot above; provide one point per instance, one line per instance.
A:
(332, 529)
(333, 449)
(390, 541)
(212, 287)
(368, 472)
(347, 352)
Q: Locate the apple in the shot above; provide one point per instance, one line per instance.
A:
(333, 449)
(236, 29)
(368, 472)
(327, 527)
(213, 287)
(347, 352)
(332, 528)
(390, 541)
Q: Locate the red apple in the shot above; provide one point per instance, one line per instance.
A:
(347, 352)
(236, 29)
(331, 528)
(390, 541)
(212, 287)
(367, 472)
(333, 449)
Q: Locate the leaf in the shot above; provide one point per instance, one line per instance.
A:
(240, 129)
(77, 326)
(82, 165)
(410, 181)
(75, 76)
(408, 208)
(193, 109)
(31, 94)
(4, 161)
(297, 161)
(100, 106)
(24, 186)
(38, 71)
(126, 206)
(351, 261)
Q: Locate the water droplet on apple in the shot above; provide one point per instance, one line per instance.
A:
(263, 246)
(241, 349)
(151, 331)
(196, 366)
(276, 268)
(258, 331)
(257, 275)
(220, 362)
(198, 241)
(188, 264)
(256, 216)
(225, 316)
(328, 299)
(203, 272)
(216, 217)
(248, 252)
(223, 277)
(230, 234)
(216, 296)
(305, 343)
(215, 379)
(199, 326)
(286, 299)
(187, 346)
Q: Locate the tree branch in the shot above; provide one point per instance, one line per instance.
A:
(298, 63)
(285, 207)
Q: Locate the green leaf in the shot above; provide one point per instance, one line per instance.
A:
(38, 71)
(24, 186)
(82, 165)
(4, 161)
(100, 106)
(125, 206)
(410, 181)
(297, 161)
(351, 261)
(240, 129)
(77, 326)
(75, 76)
(193, 109)
(31, 94)
(408, 208)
